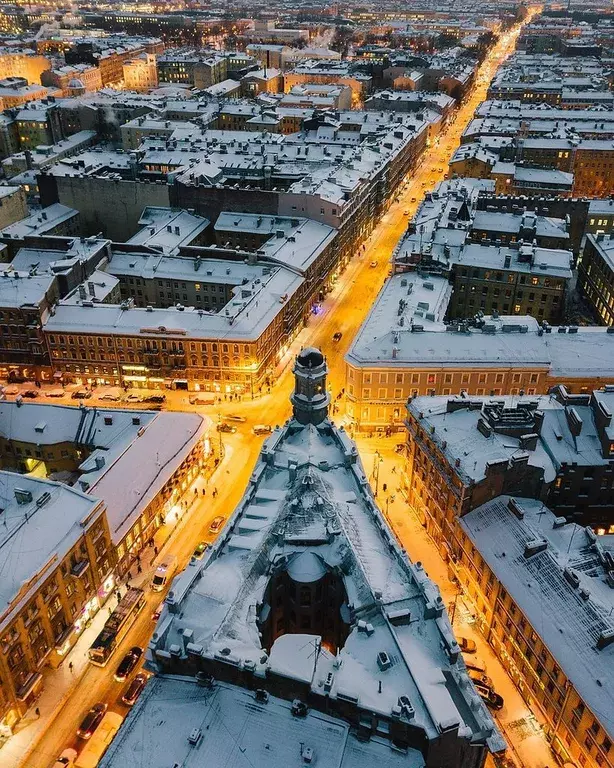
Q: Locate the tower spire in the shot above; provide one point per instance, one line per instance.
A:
(310, 399)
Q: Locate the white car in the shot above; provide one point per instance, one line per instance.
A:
(66, 759)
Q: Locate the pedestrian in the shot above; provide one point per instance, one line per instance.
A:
(138, 568)
(203, 491)
(384, 487)
(195, 491)
(155, 550)
(138, 558)
(70, 666)
(118, 595)
(394, 470)
(37, 712)
(128, 580)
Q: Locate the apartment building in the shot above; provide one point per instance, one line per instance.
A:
(190, 68)
(99, 450)
(464, 451)
(518, 280)
(63, 77)
(546, 611)
(51, 590)
(405, 349)
(298, 617)
(13, 205)
(596, 275)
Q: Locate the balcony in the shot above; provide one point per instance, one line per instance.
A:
(78, 569)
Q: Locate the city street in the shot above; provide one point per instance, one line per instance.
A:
(40, 740)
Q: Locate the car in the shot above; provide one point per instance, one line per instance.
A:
(114, 396)
(128, 663)
(223, 427)
(30, 393)
(200, 550)
(263, 429)
(66, 759)
(467, 645)
(134, 690)
(11, 390)
(164, 572)
(406, 213)
(399, 447)
(81, 394)
(337, 336)
(134, 398)
(201, 399)
(157, 611)
(489, 696)
(216, 524)
(373, 264)
(413, 200)
(479, 677)
(55, 393)
(234, 417)
(91, 721)
(155, 399)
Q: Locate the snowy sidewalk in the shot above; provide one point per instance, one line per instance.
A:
(522, 728)
(59, 683)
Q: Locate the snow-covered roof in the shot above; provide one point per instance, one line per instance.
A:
(457, 423)
(137, 475)
(238, 732)
(569, 622)
(167, 229)
(245, 316)
(117, 443)
(40, 222)
(42, 521)
(309, 494)
(506, 341)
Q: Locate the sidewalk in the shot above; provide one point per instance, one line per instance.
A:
(527, 744)
(58, 683)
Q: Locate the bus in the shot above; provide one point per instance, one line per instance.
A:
(101, 738)
(116, 626)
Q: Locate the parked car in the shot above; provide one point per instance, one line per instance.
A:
(134, 690)
(134, 398)
(155, 399)
(66, 759)
(480, 677)
(128, 663)
(399, 447)
(216, 524)
(477, 665)
(203, 399)
(223, 427)
(467, 645)
(413, 200)
(234, 417)
(157, 611)
(200, 550)
(91, 721)
(263, 429)
(373, 264)
(55, 393)
(114, 396)
(337, 336)
(406, 213)
(81, 394)
(489, 696)
(30, 393)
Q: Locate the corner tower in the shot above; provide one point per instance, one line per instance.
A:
(310, 398)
